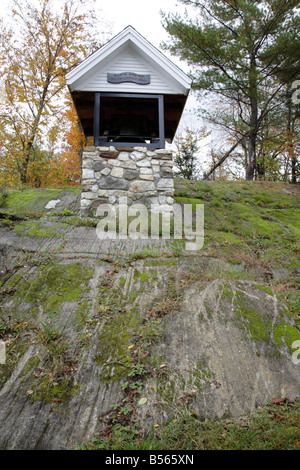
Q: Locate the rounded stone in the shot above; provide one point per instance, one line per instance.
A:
(117, 172)
(131, 174)
(123, 156)
(87, 173)
(144, 163)
(85, 203)
(146, 171)
(137, 155)
(105, 171)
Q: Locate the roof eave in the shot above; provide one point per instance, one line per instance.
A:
(139, 41)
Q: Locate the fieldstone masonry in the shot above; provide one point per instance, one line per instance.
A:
(142, 175)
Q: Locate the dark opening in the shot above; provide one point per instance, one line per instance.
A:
(128, 119)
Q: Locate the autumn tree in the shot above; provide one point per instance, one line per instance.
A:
(65, 167)
(41, 44)
(235, 48)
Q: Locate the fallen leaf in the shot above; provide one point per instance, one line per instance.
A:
(142, 401)
(279, 401)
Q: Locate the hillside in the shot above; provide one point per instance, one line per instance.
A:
(134, 338)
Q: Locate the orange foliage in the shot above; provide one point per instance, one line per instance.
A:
(65, 167)
(38, 144)
(59, 167)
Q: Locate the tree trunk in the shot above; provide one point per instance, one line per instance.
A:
(251, 168)
(289, 128)
(25, 164)
(222, 160)
(251, 157)
(33, 132)
(23, 176)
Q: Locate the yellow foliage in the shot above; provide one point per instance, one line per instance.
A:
(44, 43)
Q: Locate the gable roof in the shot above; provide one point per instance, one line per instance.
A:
(129, 49)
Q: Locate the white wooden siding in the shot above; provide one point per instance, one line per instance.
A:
(128, 60)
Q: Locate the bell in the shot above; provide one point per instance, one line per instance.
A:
(128, 128)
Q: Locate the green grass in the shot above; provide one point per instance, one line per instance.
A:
(32, 228)
(35, 305)
(272, 427)
(251, 221)
(31, 201)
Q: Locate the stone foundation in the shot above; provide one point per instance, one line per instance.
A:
(142, 175)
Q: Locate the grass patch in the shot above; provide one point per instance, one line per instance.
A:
(31, 314)
(52, 285)
(272, 427)
(76, 221)
(31, 202)
(36, 229)
(255, 222)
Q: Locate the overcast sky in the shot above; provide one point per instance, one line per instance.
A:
(143, 15)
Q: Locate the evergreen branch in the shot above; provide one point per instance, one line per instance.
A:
(209, 57)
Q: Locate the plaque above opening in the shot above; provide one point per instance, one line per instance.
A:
(128, 77)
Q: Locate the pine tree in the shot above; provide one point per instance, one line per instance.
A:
(187, 147)
(235, 48)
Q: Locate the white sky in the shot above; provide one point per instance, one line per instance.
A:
(143, 15)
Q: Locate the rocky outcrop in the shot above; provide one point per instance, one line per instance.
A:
(78, 315)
